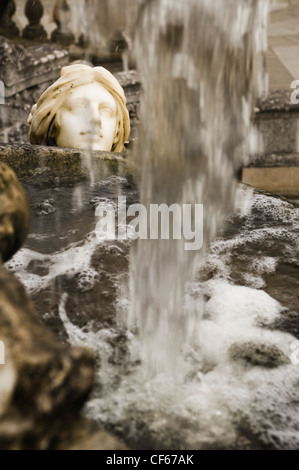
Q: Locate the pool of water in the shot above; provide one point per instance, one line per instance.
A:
(237, 384)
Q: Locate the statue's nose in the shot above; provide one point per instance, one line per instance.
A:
(95, 117)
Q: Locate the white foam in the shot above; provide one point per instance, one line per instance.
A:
(208, 408)
(240, 304)
(74, 259)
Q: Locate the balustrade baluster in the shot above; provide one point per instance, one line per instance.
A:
(62, 17)
(7, 26)
(34, 11)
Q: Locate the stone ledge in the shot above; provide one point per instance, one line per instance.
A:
(274, 160)
(22, 68)
(276, 101)
(26, 157)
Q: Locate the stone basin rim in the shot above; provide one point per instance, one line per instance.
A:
(23, 158)
(42, 150)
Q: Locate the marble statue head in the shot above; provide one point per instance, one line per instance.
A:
(85, 108)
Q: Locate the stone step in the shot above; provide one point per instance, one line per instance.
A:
(276, 173)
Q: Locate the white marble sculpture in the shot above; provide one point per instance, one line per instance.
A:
(84, 109)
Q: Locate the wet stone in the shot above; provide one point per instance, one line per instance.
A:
(46, 207)
(260, 355)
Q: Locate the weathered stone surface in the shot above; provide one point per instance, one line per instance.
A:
(277, 100)
(26, 74)
(47, 381)
(21, 158)
(129, 80)
(14, 213)
(279, 132)
(22, 68)
(274, 160)
(277, 120)
(131, 83)
(274, 167)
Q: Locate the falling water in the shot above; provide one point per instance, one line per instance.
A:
(202, 66)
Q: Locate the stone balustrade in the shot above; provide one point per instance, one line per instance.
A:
(102, 31)
(34, 30)
(108, 24)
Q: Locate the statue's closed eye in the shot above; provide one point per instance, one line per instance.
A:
(106, 111)
(83, 104)
(72, 105)
(79, 105)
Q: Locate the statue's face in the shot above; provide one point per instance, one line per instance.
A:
(88, 119)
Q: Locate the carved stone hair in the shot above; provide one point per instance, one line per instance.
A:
(43, 114)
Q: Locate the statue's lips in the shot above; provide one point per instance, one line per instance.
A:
(91, 135)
